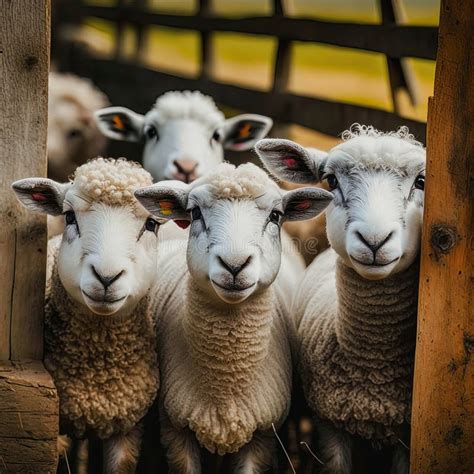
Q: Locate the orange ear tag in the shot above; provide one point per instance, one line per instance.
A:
(244, 131)
(118, 122)
(166, 208)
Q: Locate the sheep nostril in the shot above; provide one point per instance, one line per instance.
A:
(106, 280)
(234, 270)
(374, 247)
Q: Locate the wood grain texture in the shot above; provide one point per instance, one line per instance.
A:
(29, 414)
(24, 63)
(443, 404)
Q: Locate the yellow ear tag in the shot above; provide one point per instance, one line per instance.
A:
(118, 122)
(244, 131)
(166, 208)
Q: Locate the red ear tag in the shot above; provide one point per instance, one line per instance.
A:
(303, 205)
(290, 163)
(182, 223)
(39, 197)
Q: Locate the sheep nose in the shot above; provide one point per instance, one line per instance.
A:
(235, 267)
(106, 280)
(187, 168)
(373, 243)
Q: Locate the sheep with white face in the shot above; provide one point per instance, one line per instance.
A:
(224, 337)
(185, 134)
(357, 305)
(98, 306)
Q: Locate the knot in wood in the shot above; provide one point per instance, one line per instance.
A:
(443, 237)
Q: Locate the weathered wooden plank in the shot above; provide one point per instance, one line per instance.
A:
(137, 87)
(24, 61)
(394, 40)
(443, 403)
(29, 414)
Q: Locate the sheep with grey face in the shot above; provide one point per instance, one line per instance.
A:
(356, 308)
(185, 134)
(100, 342)
(223, 329)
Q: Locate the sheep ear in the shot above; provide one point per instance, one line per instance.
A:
(291, 162)
(120, 123)
(305, 203)
(240, 133)
(167, 201)
(41, 195)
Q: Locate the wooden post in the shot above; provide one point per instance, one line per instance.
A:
(443, 402)
(28, 400)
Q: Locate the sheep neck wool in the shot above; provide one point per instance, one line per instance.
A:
(229, 343)
(226, 371)
(376, 321)
(359, 374)
(105, 371)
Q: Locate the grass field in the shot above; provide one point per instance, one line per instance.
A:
(318, 70)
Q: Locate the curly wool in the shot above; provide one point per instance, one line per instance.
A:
(369, 147)
(106, 372)
(226, 372)
(111, 181)
(230, 182)
(188, 105)
(357, 352)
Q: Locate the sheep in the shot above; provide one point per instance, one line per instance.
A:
(185, 134)
(73, 137)
(356, 308)
(223, 337)
(100, 344)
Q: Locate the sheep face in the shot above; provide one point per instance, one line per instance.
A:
(107, 255)
(184, 134)
(72, 137)
(235, 214)
(374, 221)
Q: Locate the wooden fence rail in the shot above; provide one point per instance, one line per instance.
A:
(130, 83)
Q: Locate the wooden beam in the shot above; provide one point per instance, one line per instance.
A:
(24, 62)
(137, 87)
(393, 40)
(443, 402)
(29, 414)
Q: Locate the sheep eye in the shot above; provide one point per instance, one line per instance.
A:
(196, 214)
(70, 217)
(74, 133)
(332, 181)
(216, 136)
(151, 224)
(420, 182)
(275, 217)
(151, 132)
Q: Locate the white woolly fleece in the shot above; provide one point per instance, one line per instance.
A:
(110, 181)
(226, 372)
(229, 181)
(188, 105)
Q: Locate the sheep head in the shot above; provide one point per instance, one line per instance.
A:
(377, 179)
(235, 214)
(107, 255)
(185, 134)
